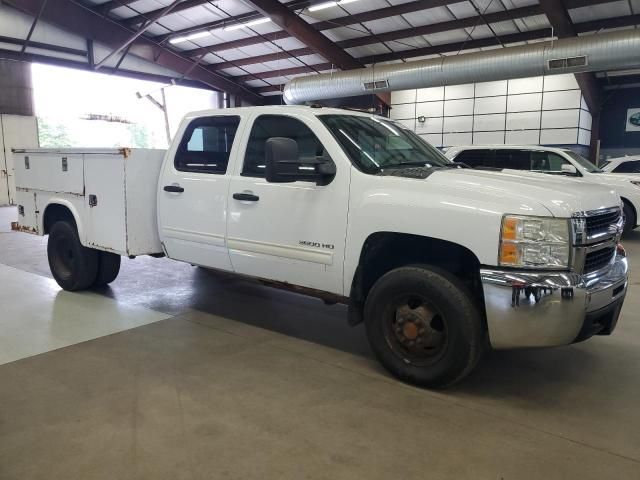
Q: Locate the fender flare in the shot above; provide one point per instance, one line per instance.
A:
(69, 206)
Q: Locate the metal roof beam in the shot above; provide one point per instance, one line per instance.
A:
(368, 16)
(81, 20)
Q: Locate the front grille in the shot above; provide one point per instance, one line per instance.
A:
(598, 259)
(599, 224)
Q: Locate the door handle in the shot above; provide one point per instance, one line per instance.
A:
(173, 188)
(246, 197)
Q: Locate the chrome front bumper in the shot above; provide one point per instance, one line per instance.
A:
(543, 309)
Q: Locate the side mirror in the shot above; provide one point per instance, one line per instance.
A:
(284, 165)
(569, 169)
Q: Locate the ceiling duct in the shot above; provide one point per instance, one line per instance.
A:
(600, 52)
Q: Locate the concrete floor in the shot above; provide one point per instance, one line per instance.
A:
(228, 379)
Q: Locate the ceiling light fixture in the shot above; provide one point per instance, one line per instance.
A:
(237, 26)
(323, 5)
(191, 36)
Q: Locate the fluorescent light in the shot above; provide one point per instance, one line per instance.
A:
(191, 36)
(238, 26)
(323, 5)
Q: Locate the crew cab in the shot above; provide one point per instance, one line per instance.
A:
(555, 161)
(439, 261)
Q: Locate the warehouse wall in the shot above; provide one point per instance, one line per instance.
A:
(541, 110)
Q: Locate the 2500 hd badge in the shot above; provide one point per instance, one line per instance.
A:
(306, 243)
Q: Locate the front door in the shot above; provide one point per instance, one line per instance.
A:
(290, 232)
(192, 201)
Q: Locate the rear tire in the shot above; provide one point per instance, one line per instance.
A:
(424, 326)
(108, 269)
(629, 217)
(72, 265)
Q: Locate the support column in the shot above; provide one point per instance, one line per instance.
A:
(18, 126)
(16, 89)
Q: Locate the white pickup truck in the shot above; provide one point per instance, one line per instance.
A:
(438, 261)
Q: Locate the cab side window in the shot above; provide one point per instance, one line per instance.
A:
(476, 158)
(512, 159)
(206, 145)
(268, 126)
(547, 162)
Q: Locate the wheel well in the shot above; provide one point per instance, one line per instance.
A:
(384, 251)
(635, 212)
(55, 213)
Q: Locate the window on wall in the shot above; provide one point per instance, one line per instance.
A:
(206, 145)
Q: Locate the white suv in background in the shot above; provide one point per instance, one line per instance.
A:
(555, 161)
(629, 165)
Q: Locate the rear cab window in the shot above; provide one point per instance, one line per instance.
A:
(206, 145)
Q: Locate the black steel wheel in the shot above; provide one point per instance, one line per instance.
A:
(424, 326)
(72, 265)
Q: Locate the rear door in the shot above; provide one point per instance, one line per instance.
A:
(192, 197)
(290, 232)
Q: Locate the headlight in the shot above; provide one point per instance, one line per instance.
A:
(534, 242)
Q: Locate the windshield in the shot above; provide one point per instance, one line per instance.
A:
(374, 143)
(583, 162)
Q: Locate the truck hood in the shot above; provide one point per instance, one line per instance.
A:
(561, 196)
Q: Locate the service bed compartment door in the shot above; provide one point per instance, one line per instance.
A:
(104, 202)
(289, 232)
(192, 200)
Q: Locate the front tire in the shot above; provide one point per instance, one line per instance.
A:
(72, 265)
(424, 326)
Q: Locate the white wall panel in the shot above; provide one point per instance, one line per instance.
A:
(430, 109)
(584, 137)
(560, 136)
(523, 120)
(458, 107)
(560, 82)
(557, 100)
(453, 92)
(560, 118)
(458, 124)
(525, 85)
(434, 139)
(403, 96)
(585, 120)
(523, 137)
(408, 123)
(524, 103)
(430, 94)
(489, 123)
(491, 105)
(452, 139)
(403, 111)
(488, 138)
(511, 111)
(491, 89)
(431, 125)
